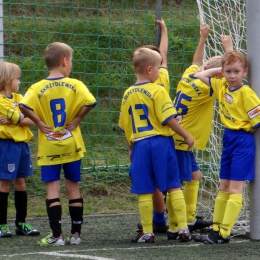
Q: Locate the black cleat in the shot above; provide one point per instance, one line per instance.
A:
(200, 224)
(172, 235)
(213, 238)
(157, 227)
(143, 238)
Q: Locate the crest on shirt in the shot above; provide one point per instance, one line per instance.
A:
(62, 135)
(11, 167)
(228, 98)
(254, 112)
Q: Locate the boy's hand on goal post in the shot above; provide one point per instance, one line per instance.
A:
(204, 31)
(226, 43)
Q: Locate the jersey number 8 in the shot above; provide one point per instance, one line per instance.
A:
(58, 107)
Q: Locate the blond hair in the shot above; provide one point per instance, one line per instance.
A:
(55, 52)
(144, 57)
(8, 71)
(233, 57)
(213, 62)
(151, 47)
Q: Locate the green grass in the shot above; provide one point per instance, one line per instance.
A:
(108, 197)
(108, 237)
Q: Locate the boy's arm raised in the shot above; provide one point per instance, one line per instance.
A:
(164, 42)
(226, 43)
(174, 125)
(199, 53)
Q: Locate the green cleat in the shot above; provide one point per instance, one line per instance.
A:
(4, 231)
(52, 241)
(26, 229)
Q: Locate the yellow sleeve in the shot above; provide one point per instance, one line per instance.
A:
(163, 79)
(9, 111)
(252, 107)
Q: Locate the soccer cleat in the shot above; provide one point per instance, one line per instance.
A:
(172, 235)
(184, 235)
(26, 229)
(75, 239)
(214, 238)
(4, 231)
(143, 238)
(157, 227)
(199, 224)
(160, 227)
(52, 241)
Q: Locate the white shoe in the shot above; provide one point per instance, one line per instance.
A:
(75, 239)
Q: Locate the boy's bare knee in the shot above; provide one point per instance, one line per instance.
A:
(4, 186)
(19, 184)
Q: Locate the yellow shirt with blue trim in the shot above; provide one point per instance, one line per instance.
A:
(239, 108)
(194, 104)
(145, 109)
(56, 102)
(163, 79)
(9, 109)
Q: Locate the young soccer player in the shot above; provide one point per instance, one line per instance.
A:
(194, 104)
(159, 220)
(240, 114)
(16, 163)
(57, 104)
(147, 119)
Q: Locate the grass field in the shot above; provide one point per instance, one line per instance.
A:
(107, 237)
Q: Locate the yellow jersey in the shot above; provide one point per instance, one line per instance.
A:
(239, 108)
(9, 108)
(145, 109)
(163, 79)
(194, 104)
(56, 101)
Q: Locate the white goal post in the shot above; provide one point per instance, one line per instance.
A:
(253, 44)
(228, 17)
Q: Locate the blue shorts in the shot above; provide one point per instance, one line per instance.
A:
(154, 165)
(15, 160)
(71, 171)
(187, 164)
(238, 156)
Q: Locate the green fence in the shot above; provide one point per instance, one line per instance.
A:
(103, 35)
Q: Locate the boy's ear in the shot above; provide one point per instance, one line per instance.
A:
(63, 62)
(245, 71)
(148, 69)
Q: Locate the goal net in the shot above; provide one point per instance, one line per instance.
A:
(225, 17)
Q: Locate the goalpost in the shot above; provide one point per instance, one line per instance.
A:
(253, 43)
(228, 17)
